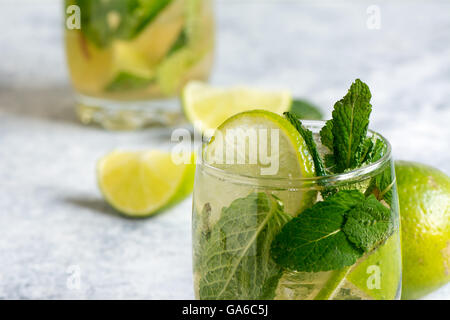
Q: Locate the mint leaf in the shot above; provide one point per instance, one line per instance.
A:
(364, 152)
(346, 133)
(104, 21)
(95, 18)
(314, 241)
(308, 137)
(350, 124)
(348, 199)
(326, 135)
(303, 109)
(141, 15)
(381, 186)
(372, 150)
(201, 233)
(125, 81)
(368, 224)
(180, 42)
(236, 262)
(378, 150)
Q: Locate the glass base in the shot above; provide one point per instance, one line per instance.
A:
(129, 115)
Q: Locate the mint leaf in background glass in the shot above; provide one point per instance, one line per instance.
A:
(308, 137)
(236, 262)
(346, 133)
(348, 199)
(125, 81)
(368, 224)
(100, 20)
(305, 110)
(314, 241)
(181, 42)
(104, 21)
(139, 17)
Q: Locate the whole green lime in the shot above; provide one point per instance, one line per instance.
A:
(424, 196)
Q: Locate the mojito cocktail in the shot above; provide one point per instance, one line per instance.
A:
(298, 210)
(129, 53)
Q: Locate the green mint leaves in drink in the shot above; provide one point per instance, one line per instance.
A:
(368, 224)
(333, 233)
(236, 261)
(104, 21)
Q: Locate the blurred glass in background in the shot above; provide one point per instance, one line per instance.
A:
(126, 57)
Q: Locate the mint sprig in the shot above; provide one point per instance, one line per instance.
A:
(345, 134)
(333, 233)
(134, 16)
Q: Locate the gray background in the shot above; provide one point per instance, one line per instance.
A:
(52, 216)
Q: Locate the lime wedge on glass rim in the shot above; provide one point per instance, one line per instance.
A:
(206, 107)
(141, 183)
(287, 150)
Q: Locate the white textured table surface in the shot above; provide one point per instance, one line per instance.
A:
(52, 217)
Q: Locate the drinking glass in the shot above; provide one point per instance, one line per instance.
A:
(128, 57)
(231, 252)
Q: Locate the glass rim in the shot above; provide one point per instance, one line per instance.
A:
(354, 175)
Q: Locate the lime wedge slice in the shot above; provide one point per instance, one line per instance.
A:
(141, 183)
(383, 264)
(207, 107)
(272, 148)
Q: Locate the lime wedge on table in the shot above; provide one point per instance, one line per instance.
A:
(141, 183)
(207, 107)
(277, 139)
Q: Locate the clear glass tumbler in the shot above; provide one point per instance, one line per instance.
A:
(232, 235)
(127, 57)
